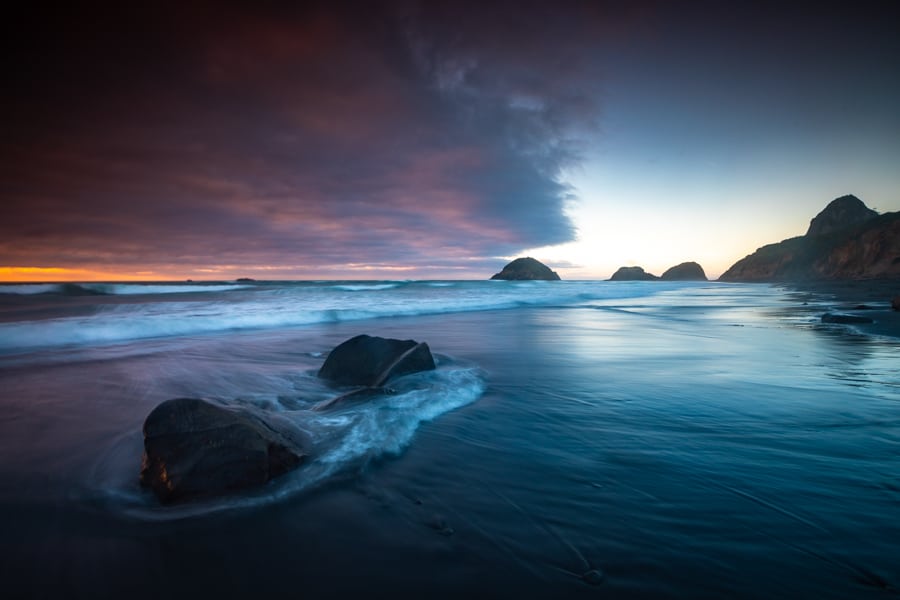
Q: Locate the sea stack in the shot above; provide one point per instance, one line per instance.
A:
(632, 274)
(526, 269)
(686, 271)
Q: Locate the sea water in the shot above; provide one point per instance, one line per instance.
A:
(595, 439)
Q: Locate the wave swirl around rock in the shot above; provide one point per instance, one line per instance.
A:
(196, 448)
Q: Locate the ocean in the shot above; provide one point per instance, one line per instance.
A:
(577, 439)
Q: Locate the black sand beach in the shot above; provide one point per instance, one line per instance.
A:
(865, 298)
(702, 440)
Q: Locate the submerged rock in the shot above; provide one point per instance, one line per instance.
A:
(895, 303)
(839, 318)
(686, 271)
(632, 274)
(526, 269)
(440, 524)
(593, 576)
(357, 395)
(194, 448)
(371, 361)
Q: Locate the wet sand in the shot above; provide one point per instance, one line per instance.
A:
(711, 441)
(864, 298)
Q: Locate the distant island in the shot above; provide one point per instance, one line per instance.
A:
(686, 271)
(847, 240)
(529, 269)
(526, 269)
(632, 274)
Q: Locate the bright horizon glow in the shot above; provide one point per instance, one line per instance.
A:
(618, 225)
(11, 274)
(637, 233)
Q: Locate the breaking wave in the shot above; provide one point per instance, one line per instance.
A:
(113, 319)
(113, 289)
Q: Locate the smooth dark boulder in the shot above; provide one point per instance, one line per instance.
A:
(526, 269)
(686, 271)
(194, 448)
(371, 361)
(632, 274)
(895, 303)
(839, 318)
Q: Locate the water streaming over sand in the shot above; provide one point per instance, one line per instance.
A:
(578, 438)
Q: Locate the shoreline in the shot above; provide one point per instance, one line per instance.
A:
(869, 298)
(613, 444)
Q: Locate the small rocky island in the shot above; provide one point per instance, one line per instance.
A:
(686, 271)
(632, 274)
(526, 269)
(846, 241)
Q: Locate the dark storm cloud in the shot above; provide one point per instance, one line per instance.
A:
(420, 134)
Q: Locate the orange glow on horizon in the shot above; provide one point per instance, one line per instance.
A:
(168, 273)
(42, 274)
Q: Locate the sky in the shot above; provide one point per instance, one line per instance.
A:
(433, 140)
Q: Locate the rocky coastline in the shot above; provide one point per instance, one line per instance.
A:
(845, 241)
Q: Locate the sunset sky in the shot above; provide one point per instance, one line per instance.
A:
(433, 139)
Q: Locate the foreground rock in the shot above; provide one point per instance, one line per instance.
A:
(371, 361)
(526, 269)
(632, 274)
(686, 271)
(847, 240)
(194, 448)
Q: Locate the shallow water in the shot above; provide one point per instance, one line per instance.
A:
(591, 439)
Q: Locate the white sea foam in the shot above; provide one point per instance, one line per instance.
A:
(129, 289)
(350, 287)
(115, 289)
(386, 425)
(27, 289)
(288, 305)
(340, 439)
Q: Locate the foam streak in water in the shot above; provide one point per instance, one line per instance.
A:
(125, 312)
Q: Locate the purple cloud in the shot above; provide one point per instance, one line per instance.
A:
(416, 134)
